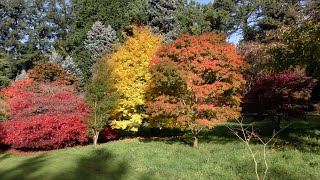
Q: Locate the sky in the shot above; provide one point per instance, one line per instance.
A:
(204, 1)
(235, 37)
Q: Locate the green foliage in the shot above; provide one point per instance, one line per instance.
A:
(12, 26)
(100, 39)
(29, 28)
(100, 96)
(191, 18)
(298, 44)
(119, 14)
(6, 70)
(162, 17)
(221, 14)
(3, 110)
(258, 18)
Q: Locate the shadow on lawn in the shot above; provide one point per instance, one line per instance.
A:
(97, 164)
(303, 135)
(25, 170)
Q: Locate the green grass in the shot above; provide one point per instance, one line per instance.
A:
(295, 154)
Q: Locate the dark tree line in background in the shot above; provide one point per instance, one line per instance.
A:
(30, 29)
(276, 35)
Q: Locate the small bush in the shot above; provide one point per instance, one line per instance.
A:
(108, 133)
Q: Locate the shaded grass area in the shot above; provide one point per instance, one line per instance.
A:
(220, 155)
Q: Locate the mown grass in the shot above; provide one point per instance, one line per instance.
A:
(295, 154)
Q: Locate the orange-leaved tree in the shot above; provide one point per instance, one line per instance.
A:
(197, 81)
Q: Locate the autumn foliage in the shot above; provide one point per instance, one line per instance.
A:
(129, 66)
(285, 93)
(43, 116)
(49, 72)
(196, 80)
(45, 132)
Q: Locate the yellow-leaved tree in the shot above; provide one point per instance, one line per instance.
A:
(130, 64)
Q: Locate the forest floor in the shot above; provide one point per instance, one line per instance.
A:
(294, 154)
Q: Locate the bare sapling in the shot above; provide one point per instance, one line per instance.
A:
(246, 134)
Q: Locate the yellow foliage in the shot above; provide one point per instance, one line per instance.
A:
(130, 66)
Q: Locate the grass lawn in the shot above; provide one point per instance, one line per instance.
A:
(220, 155)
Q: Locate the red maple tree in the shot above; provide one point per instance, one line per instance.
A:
(280, 94)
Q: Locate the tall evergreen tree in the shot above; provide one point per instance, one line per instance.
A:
(272, 15)
(222, 15)
(6, 69)
(162, 17)
(191, 18)
(100, 39)
(12, 26)
(29, 28)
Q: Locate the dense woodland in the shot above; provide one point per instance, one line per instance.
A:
(81, 71)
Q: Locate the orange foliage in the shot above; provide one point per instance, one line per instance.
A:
(197, 80)
(49, 72)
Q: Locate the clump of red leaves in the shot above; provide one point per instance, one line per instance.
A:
(43, 116)
(286, 93)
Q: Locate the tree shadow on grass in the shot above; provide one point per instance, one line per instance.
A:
(24, 170)
(97, 165)
(301, 135)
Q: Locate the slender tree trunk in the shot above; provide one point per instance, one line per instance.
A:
(95, 137)
(277, 119)
(278, 123)
(195, 135)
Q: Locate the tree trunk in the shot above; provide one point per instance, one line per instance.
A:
(95, 137)
(195, 142)
(277, 119)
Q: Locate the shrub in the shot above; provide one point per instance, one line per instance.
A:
(285, 93)
(108, 133)
(43, 116)
(45, 132)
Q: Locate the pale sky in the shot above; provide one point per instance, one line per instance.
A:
(204, 1)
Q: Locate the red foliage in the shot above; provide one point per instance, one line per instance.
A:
(108, 133)
(43, 116)
(197, 80)
(1, 133)
(50, 99)
(44, 132)
(286, 93)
